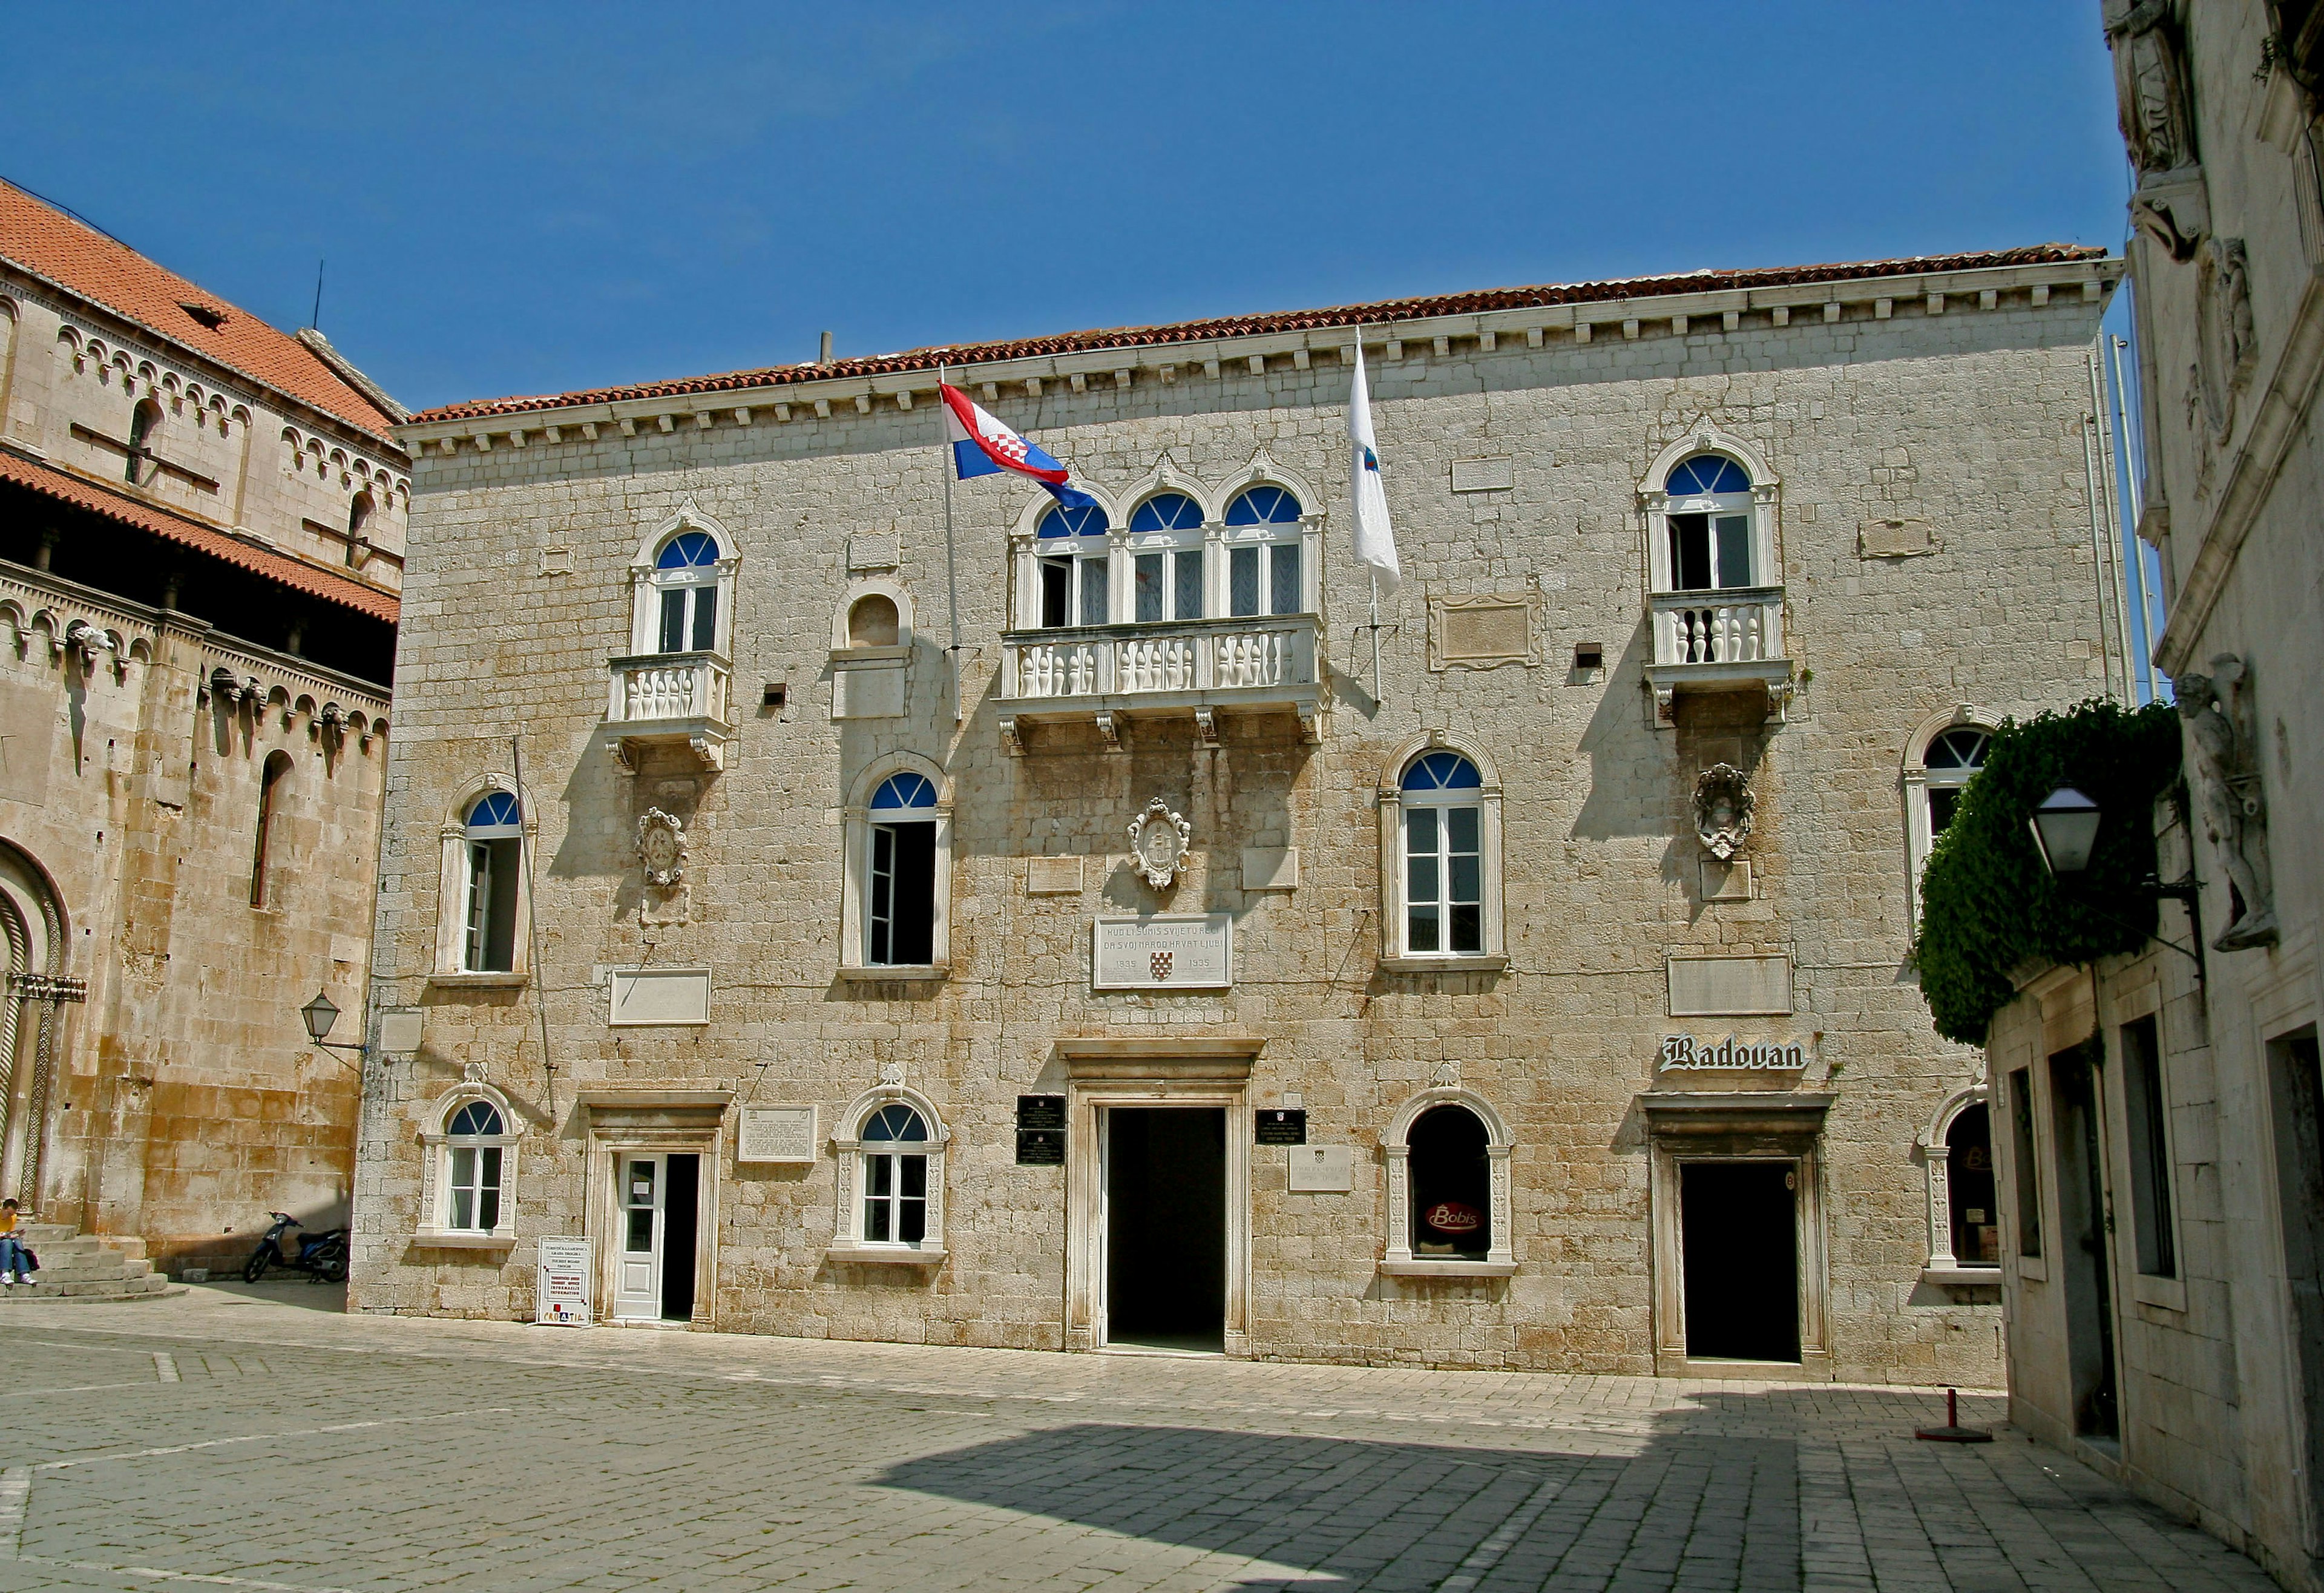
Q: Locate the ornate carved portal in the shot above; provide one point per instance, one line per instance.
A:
(1722, 809)
(1158, 841)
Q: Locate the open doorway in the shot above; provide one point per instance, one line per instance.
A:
(1166, 1239)
(1739, 1226)
(2296, 1089)
(659, 1200)
(2082, 1225)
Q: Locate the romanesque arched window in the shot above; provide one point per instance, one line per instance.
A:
(1441, 857)
(682, 580)
(896, 917)
(469, 1176)
(1448, 1187)
(891, 1150)
(483, 906)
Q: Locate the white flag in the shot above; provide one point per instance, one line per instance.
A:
(1375, 539)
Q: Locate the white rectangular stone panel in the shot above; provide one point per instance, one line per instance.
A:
(1053, 876)
(776, 1134)
(1173, 952)
(1484, 475)
(1319, 1169)
(1730, 987)
(1270, 868)
(644, 996)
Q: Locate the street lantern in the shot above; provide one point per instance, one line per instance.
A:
(2065, 829)
(321, 1015)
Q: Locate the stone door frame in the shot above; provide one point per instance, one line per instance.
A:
(653, 1122)
(1726, 1125)
(1196, 1071)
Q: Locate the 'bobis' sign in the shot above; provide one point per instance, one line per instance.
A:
(1453, 1218)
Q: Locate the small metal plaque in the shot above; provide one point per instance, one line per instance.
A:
(1040, 1147)
(776, 1134)
(1041, 1111)
(1281, 1126)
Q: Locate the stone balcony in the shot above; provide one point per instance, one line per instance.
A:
(674, 700)
(1104, 674)
(1729, 640)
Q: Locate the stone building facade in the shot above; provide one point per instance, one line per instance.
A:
(201, 530)
(2164, 1181)
(1150, 969)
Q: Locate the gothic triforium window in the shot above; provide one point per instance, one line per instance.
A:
(900, 926)
(1709, 506)
(1263, 576)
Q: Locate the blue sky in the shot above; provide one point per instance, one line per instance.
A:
(529, 199)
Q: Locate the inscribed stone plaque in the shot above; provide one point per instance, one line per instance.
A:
(1163, 952)
(871, 552)
(868, 691)
(1484, 475)
(1728, 881)
(1723, 987)
(399, 1030)
(659, 996)
(1896, 538)
(776, 1134)
(1053, 876)
(1319, 1169)
(1481, 633)
(1274, 868)
(1278, 1125)
(28, 733)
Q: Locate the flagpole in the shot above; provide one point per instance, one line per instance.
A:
(1379, 692)
(951, 559)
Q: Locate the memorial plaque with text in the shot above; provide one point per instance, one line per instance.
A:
(1040, 1147)
(1041, 1111)
(1282, 1126)
(1166, 951)
(776, 1134)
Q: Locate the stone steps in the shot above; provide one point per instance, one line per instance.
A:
(88, 1267)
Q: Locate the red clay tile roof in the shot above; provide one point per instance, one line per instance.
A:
(51, 483)
(79, 258)
(1296, 320)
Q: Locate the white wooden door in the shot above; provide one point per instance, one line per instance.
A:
(637, 1287)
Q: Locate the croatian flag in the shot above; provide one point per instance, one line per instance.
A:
(982, 446)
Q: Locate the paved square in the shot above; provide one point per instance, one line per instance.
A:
(239, 1438)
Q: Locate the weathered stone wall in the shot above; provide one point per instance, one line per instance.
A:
(1970, 419)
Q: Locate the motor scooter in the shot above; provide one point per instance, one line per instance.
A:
(322, 1256)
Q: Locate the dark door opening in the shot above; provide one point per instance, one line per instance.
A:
(2296, 1089)
(2082, 1224)
(1166, 1239)
(1740, 1227)
(680, 1198)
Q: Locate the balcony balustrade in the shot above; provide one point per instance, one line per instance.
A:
(669, 699)
(1717, 641)
(1103, 673)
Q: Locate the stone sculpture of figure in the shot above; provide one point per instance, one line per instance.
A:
(2150, 84)
(2226, 784)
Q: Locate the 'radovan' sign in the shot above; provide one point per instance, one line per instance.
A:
(1686, 1051)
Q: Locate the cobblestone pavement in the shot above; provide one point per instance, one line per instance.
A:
(241, 1438)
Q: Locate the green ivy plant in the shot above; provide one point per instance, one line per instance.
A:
(1987, 904)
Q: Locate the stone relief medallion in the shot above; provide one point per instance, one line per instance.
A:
(661, 848)
(1159, 839)
(1722, 809)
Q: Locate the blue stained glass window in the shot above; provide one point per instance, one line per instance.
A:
(1263, 506)
(1061, 521)
(494, 811)
(1442, 772)
(894, 1122)
(906, 790)
(1706, 474)
(688, 550)
(1167, 512)
(475, 1118)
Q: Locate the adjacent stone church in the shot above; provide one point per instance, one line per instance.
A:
(1066, 935)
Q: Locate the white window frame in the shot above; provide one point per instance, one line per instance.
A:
(848, 1243)
(1392, 801)
(855, 899)
(1936, 1161)
(435, 1226)
(1918, 779)
(1762, 503)
(647, 584)
(1500, 1260)
(456, 883)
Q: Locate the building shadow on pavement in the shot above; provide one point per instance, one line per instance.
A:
(301, 1292)
(1320, 1512)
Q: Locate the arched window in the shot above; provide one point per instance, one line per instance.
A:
(895, 1177)
(144, 420)
(1166, 560)
(495, 850)
(891, 1150)
(1167, 512)
(1708, 502)
(1073, 568)
(1263, 506)
(1969, 1168)
(1452, 1188)
(358, 523)
(1940, 759)
(686, 572)
(269, 795)
(902, 918)
(468, 1181)
(1448, 1187)
(1444, 858)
